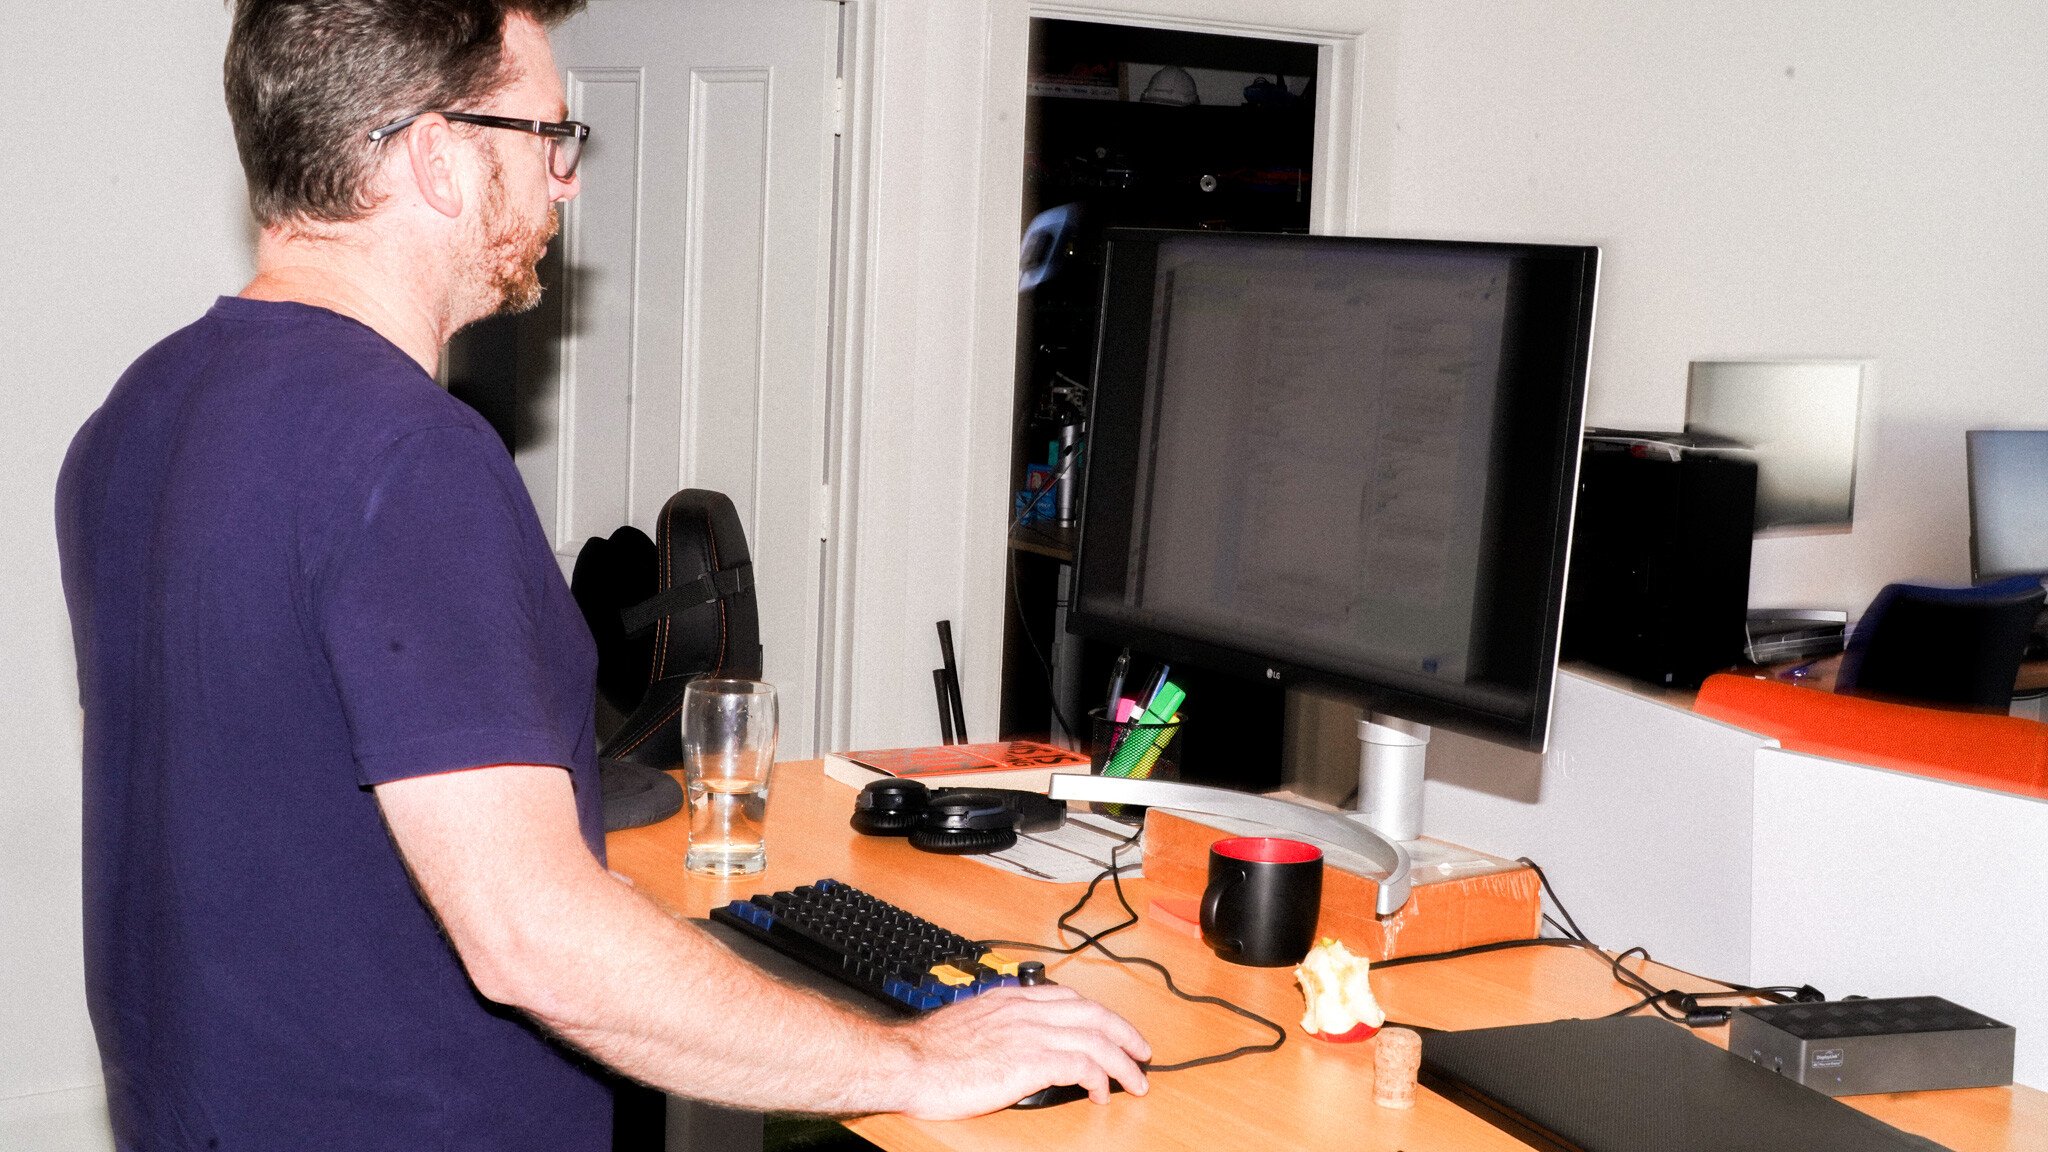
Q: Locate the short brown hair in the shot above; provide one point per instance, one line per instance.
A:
(307, 80)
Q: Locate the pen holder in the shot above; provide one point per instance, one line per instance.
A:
(1134, 749)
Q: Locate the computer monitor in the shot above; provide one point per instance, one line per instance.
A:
(2008, 503)
(1343, 462)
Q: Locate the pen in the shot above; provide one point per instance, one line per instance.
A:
(1116, 681)
(1158, 683)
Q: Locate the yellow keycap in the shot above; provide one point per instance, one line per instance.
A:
(1001, 963)
(947, 974)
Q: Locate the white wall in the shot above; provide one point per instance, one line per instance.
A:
(1639, 813)
(1875, 883)
(128, 220)
(1818, 178)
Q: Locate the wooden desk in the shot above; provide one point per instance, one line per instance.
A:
(1308, 1095)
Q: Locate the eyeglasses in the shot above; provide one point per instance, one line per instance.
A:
(565, 138)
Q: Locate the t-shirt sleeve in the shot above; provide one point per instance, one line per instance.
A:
(430, 605)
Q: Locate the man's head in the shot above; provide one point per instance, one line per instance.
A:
(308, 80)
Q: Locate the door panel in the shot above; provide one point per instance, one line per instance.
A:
(682, 342)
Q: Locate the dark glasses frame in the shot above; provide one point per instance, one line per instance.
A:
(565, 137)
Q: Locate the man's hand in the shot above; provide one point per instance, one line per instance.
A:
(991, 1051)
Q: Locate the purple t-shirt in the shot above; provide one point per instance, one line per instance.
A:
(297, 569)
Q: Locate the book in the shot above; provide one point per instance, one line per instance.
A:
(1023, 764)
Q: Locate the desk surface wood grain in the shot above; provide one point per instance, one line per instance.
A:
(1307, 1095)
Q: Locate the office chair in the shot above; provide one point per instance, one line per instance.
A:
(1954, 648)
(664, 612)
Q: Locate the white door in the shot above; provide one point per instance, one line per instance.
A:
(683, 342)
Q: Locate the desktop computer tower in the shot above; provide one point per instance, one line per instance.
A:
(1659, 583)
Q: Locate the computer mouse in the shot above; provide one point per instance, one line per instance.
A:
(1060, 1094)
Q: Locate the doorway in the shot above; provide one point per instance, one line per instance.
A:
(1129, 126)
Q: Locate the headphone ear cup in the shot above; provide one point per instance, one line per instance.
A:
(965, 825)
(870, 823)
(963, 843)
(889, 807)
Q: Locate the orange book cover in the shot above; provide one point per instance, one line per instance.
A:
(1025, 764)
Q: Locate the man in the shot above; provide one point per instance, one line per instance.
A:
(344, 881)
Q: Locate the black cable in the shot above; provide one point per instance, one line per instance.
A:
(1688, 1008)
(1574, 932)
(1094, 940)
(1687, 1004)
(1480, 949)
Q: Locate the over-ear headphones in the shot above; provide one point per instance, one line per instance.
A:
(954, 821)
(889, 807)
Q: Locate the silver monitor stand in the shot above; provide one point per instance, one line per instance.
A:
(1390, 756)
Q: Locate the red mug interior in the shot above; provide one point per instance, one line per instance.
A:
(1267, 850)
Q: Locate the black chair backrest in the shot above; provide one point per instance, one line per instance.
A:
(667, 614)
(1946, 647)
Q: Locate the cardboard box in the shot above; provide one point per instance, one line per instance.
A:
(1458, 897)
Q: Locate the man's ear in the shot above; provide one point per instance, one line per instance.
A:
(436, 169)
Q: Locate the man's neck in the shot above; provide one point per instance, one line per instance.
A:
(401, 303)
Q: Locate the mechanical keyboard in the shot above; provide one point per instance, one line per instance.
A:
(902, 960)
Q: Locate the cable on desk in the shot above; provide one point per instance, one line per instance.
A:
(1688, 1008)
(1094, 940)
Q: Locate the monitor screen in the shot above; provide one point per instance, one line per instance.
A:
(1340, 461)
(2008, 503)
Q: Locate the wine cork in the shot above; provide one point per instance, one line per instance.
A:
(1396, 1061)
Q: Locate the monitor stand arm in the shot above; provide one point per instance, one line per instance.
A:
(1329, 827)
(1390, 774)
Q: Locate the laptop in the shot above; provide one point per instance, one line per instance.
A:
(1639, 1084)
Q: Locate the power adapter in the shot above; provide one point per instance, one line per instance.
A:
(1856, 1047)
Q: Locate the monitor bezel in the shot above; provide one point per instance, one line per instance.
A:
(1130, 258)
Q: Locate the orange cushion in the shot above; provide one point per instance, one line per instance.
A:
(2003, 752)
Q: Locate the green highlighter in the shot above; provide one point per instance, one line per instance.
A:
(1165, 703)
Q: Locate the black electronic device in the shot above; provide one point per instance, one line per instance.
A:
(1895, 1044)
(1626, 1084)
(904, 961)
(887, 955)
(1660, 558)
(953, 821)
(1782, 635)
(2008, 482)
(1340, 461)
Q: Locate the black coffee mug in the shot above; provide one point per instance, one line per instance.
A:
(1262, 901)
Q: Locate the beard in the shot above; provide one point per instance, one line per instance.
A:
(507, 251)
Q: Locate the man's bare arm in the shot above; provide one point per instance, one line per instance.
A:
(541, 927)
